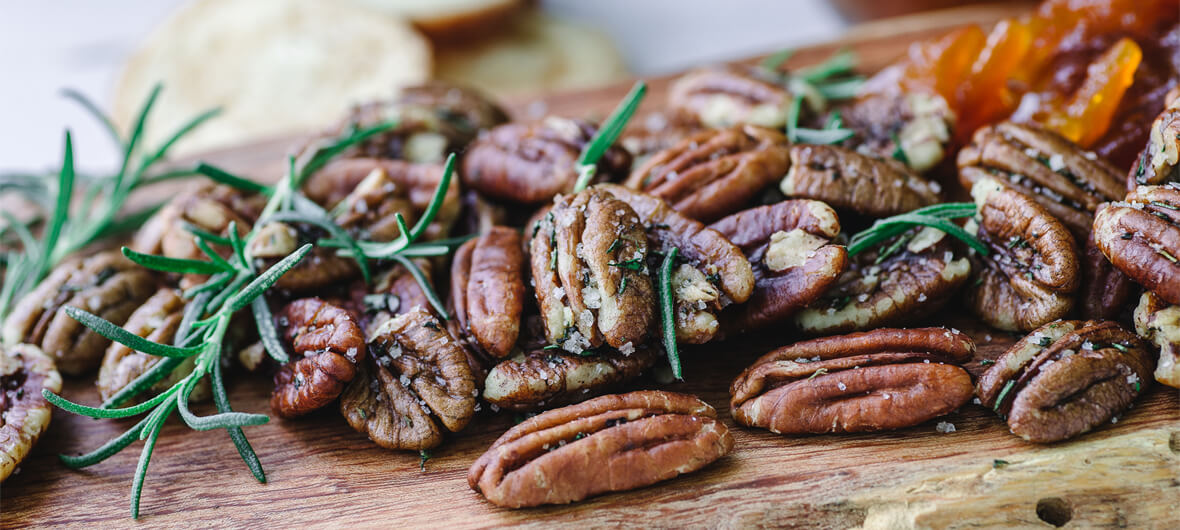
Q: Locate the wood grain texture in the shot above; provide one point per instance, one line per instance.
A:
(322, 473)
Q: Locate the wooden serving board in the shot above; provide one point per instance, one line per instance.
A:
(320, 472)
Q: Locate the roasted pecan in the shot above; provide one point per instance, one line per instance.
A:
(789, 246)
(654, 132)
(532, 162)
(1063, 178)
(1159, 162)
(156, 320)
(487, 289)
(714, 173)
(914, 128)
(611, 443)
(418, 378)
(1066, 378)
(326, 344)
(901, 281)
(320, 268)
(105, 284)
(545, 378)
(394, 292)
(1159, 322)
(1031, 275)
(870, 381)
(848, 180)
(1141, 237)
(713, 272)
(723, 96)
(1105, 293)
(588, 257)
(25, 372)
(433, 119)
(210, 207)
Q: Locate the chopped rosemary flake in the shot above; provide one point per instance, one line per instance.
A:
(987, 362)
(898, 153)
(816, 373)
(1128, 235)
(634, 264)
(551, 347)
(668, 312)
(997, 463)
(1120, 347)
(1138, 386)
(614, 245)
(1166, 255)
(622, 286)
(1162, 204)
(607, 134)
(1016, 242)
(1003, 394)
(1045, 341)
(423, 456)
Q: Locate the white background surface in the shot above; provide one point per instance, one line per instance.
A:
(49, 45)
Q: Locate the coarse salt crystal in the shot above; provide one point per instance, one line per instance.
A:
(945, 427)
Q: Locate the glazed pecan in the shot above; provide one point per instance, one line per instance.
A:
(210, 207)
(914, 128)
(1064, 179)
(848, 180)
(320, 268)
(789, 246)
(105, 284)
(533, 162)
(1159, 322)
(1105, 292)
(714, 173)
(713, 272)
(545, 378)
(1141, 237)
(588, 257)
(724, 96)
(25, 372)
(901, 281)
(611, 443)
(433, 119)
(487, 289)
(1066, 378)
(156, 320)
(1031, 275)
(418, 378)
(870, 381)
(326, 344)
(1159, 162)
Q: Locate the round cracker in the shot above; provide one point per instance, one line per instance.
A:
(273, 66)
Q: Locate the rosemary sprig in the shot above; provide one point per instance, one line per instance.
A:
(668, 312)
(831, 80)
(936, 216)
(607, 134)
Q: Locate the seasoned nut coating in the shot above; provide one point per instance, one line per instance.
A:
(870, 381)
(1159, 163)
(901, 281)
(533, 162)
(1141, 237)
(156, 320)
(611, 443)
(588, 257)
(1031, 275)
(714, 173)
(105, 284)
(420, 378)
(789, 246)
(24, 414)
(724, 96)
(1063, 178)
(545, 378)
(913, 127)
(1159, 322)
(326, 343)
(848, 180)
(1066, 378)
(487, 289)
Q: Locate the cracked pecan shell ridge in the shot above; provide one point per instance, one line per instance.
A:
(611, 443)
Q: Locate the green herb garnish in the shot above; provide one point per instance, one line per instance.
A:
(423, 456)
(607, 134)
(1003, 394)
(668, 312)
(987, 362)
(633, 264)
(936, 216)
(997, 463)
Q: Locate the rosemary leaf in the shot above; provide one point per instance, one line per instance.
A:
(264, 321)
(204, 234)
(427, 289)
(842, 89)
(235, 433)
(841, 62)
(145, 457)
(221, 420)
(668, 312)
(222, 176)
(181, 132)
(263, 282)
(107, 413)
(107, 329)
(141, 384)
(114, 445)
(92, 108)
(822, 136)
(608, 134)
(177, 265)
(774, 62)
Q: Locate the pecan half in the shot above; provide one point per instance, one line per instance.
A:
(545, 378)
(1159, 322)
(724, 96)
(1066, 378)
(1031, 275)
(1141, 237)
(902, 281)
(611, 443)
(654, 132)
(105, 284)
(714, 173)
(914, 128)
(320, 268)
(156, 320)
(713, 272)
(417, 383)
(848, 180)
(25, 372)
(533, 162)
(487, 289)
(789, 246)
(210, 207)
(1159, 162)
(870, 381)
(1105, 292)
(588, 257)
(1064, 179)
(326, 343)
